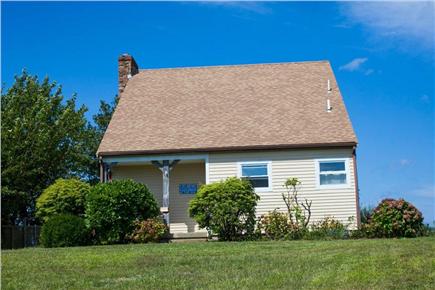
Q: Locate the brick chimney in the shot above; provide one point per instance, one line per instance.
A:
(127, 67)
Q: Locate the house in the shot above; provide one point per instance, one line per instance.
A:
(175, 129)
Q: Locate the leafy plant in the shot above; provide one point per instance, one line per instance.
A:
(290, 225)
(226, 208)
(112, 208)
(277, 226)
(396, 218)
(64, 231)
(327, 228)
(65, 196)
(299, 212)
(150, 230)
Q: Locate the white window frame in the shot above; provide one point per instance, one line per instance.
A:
(269, 173)
(346, 171)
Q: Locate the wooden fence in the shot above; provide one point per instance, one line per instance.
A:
(14, 237)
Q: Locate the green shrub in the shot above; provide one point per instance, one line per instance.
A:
(226, 208)
(362, 232)
(113, 207)
(64, 230)
(396, 218)
(328, 228)
(150, 230)
(65, 196)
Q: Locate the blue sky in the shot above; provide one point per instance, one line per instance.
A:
(382, 55)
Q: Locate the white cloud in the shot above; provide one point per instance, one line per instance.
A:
(404, 162)
(425, 191)
(425, 99)
(369, 71)
(354, 64)
(409, 24)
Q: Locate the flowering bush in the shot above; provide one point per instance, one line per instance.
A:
(277, 226)
(396, 218)
(150, 230)
(328, 228)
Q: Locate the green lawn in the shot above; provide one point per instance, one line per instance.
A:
(347, 264)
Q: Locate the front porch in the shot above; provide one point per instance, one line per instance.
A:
(180, 179)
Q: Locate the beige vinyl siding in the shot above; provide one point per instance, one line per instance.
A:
(337, 202)
(340, 202)
(180, 222)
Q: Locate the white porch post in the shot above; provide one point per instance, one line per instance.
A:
(165, 166)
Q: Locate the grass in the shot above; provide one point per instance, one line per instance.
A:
(345, 264)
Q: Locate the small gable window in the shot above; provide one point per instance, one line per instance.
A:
(257, 173)
(332, 173)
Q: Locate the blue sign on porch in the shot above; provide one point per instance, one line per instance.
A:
(187, 188)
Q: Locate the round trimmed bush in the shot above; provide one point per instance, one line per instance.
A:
(64, 231)
(226, 208)
(112, 208)
(64, 196)
(396, 218)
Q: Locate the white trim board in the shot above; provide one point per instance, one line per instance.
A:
(148, 158)
(207, 170)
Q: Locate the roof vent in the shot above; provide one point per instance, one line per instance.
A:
(328, 101)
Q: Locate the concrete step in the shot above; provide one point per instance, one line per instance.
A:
(192, 240)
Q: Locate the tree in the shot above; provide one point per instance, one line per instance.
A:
(14, 204)
(102, 118)
(44, 137)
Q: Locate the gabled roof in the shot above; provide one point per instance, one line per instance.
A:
(238, 107)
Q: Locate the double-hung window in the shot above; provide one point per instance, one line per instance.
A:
(257, 173)
(332, 173)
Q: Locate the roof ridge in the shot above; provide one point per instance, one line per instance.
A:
(234, 65)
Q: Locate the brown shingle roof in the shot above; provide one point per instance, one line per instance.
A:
(228, 107)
